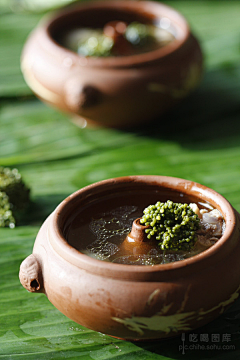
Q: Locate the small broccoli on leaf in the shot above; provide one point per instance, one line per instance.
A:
(6, 216)
(172, 224)
(14, 196)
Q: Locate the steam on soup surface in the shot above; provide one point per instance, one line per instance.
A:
(100, 230)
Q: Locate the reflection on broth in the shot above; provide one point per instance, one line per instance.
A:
(101, 231)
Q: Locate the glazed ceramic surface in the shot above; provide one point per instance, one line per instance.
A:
(115, 91)
(129, 301)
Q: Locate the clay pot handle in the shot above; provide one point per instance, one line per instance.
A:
(83, 97)
(116, 30)
(30, 274)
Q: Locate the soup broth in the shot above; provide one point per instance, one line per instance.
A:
(100, 230)
(136, 38)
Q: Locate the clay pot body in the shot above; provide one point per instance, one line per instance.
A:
(129, 301)
(115, 91)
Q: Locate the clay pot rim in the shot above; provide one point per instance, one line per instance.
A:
(113, 270)
(124, 61)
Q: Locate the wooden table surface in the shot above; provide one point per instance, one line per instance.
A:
(199, 140)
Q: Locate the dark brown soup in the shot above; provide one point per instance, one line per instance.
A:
(100, 230)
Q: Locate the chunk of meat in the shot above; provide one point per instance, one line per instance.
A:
(195, 208)
(212, 221)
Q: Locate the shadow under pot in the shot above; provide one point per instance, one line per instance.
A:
(146, 294)
(116, 64)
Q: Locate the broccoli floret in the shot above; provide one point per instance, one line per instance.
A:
(172, 224)
(6, 216)
(18, 194)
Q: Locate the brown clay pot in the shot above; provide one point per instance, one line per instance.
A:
(115, 91)
(129, 301)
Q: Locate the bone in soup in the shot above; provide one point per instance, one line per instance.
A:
(101, 229)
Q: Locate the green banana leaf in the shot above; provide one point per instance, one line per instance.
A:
(199, 140)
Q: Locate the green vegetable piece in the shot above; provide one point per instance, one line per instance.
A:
(98, 45)
(139, 34)
(172, 224)
(6, 216)
(18, 194)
